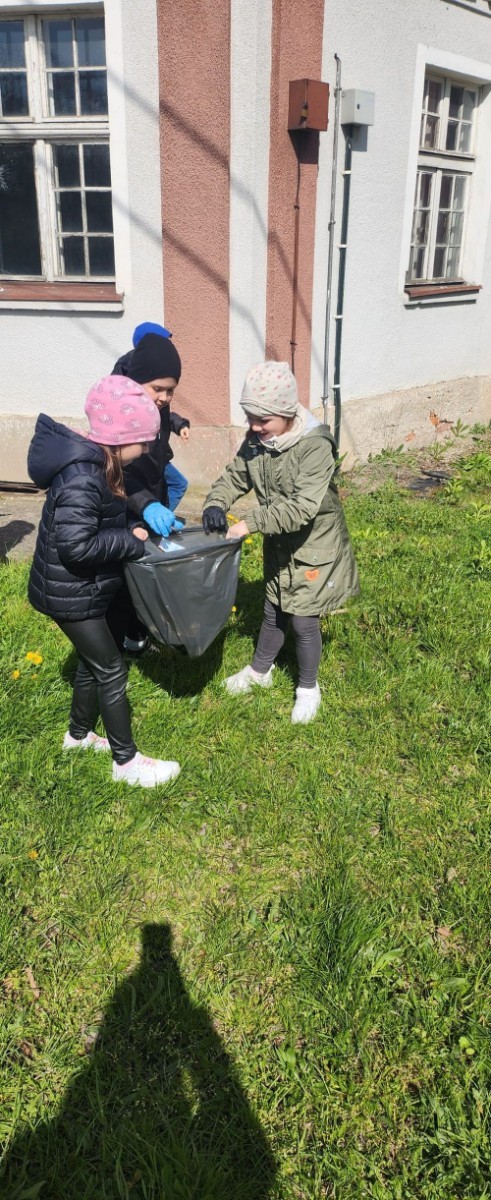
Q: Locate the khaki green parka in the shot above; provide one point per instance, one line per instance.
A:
(309, 566)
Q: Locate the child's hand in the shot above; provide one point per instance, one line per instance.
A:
(237, 531)
(140, 533)
(184, 434)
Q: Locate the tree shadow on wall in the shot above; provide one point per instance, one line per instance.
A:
(157, 1113)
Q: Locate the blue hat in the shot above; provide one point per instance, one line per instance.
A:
(149, 327)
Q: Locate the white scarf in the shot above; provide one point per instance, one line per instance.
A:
(284, 441)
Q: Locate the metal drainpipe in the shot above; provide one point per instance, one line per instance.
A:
(332, 222)
(343, 246)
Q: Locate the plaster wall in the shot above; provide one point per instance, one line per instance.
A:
(249, 165)
(194, 53)
(50, 353)
(389, 345)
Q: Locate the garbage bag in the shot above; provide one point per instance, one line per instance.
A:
(184, 587)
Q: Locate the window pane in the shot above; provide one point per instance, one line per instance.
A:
(101, 256)
(73, 256)
(439, 262)
(452, 267)
(446, 191)
(71, 212)
(465, 138)
(468, 104)
(420, 226)
(425, 189)
(456, 101)
(93, 93)
(431, 132)
(433, 95)
(455, 226)
(20, 252)
(89, 32)
(99, 212)
(442, 227)
(59, 47)
(416, 264)
(459, 191)
(68, 166)
(13, 89)
(12, 44)
(96, 166)
(63, 85)
(452, 129)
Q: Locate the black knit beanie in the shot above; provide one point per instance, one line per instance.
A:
(154, 357)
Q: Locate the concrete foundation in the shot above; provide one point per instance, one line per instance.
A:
(411, 418)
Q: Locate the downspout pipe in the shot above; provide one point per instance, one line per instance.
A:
(343, 246)
(332, 222)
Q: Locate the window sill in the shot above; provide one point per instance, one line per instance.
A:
(30, 294)
(432, 291)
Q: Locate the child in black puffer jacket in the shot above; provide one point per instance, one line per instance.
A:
(82, 543)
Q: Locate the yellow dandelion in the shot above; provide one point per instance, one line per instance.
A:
(33, 854)
(15, 674)
(234, 608)
(33, 656)
(248, 541)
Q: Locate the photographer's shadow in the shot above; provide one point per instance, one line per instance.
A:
(157, 1113)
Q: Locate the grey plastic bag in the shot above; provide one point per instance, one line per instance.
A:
(184, 587)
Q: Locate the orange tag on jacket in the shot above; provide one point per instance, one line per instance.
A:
(311, 575)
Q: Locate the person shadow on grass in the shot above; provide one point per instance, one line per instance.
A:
(157, 1112)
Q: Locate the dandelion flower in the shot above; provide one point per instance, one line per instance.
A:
(33, 854)
(15, 674)
(234, 608)
(248, 541)
(33, 656)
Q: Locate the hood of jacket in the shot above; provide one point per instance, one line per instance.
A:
(55, 446)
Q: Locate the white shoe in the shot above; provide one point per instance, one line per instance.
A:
(91, 741)
(246, 679)
(147, 772)
(307, 704)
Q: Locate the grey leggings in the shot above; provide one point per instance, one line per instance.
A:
(272, 635)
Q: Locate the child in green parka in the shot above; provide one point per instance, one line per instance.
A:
(288, 458)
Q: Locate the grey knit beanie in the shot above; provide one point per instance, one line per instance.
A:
(270, 389)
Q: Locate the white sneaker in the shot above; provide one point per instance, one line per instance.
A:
(307, 704)
(246, 679)
(91, 741)
(147, 772)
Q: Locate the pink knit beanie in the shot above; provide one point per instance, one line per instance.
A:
(270, 388)
(120, 412)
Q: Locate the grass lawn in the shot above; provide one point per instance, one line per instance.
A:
(272, 979)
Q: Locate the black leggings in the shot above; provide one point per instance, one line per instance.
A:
(100, 680)
(272, 635)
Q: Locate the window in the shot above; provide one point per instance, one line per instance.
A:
(446, 163)
(55, 178)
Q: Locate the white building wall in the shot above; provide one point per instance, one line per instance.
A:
(388, 344)
(52, 352)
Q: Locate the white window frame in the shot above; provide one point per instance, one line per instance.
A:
(438, 161)
(45, 131)
(429, 59)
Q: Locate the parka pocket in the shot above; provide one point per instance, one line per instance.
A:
(315, 556)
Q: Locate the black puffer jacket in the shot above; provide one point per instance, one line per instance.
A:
(144, 479)
(82, 539)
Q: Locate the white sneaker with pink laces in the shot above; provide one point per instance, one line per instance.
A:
(91, 741)
(145, 772)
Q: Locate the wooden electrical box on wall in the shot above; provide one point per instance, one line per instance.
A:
(308, 104)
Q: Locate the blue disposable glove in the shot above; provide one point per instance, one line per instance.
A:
(161, 519)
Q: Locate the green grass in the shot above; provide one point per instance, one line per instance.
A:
(271, 980)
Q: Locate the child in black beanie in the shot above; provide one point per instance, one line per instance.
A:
(154, 487)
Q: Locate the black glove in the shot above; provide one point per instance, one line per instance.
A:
(214, 520)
